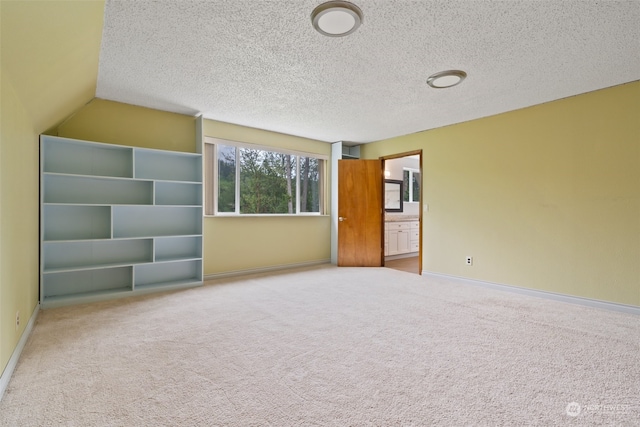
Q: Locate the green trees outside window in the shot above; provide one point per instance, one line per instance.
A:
(256, 181)
(411, 187)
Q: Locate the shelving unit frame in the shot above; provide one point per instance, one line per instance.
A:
(117, 221)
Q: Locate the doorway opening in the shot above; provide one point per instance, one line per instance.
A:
(402, 218)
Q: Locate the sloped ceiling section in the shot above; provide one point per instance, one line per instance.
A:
(261, 64)
(50, 52)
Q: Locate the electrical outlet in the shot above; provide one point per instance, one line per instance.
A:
(17, 319)
(469, 260)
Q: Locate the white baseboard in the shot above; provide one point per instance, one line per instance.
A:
(15, 356)
(264, 269)
(630, 309)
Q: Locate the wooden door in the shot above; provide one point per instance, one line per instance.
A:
(360, 242)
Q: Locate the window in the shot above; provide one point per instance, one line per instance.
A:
(411, 178)
(246, 179)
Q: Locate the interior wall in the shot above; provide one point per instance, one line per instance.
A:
(123, 124)
(546, 197)
(250, 242)
(51, 51)
(19, 206)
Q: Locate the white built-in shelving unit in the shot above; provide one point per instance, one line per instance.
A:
(117, 220)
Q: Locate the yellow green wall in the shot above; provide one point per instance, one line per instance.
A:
(48, 69)
(546, 197)
(245, 243)
(116, 123)
(18, 218)
(51, 49)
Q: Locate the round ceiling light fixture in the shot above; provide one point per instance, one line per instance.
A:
(336, 18)
(445, 79)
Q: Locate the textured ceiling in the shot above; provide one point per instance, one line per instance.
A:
(260, 63)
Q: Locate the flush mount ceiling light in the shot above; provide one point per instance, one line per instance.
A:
(445, 79)
(336, 18)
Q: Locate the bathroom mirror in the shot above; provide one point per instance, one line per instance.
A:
(392, 195)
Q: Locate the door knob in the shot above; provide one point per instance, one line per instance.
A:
(340, 218)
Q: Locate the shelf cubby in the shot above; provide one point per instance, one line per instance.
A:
(89, 190)
(95, 254)
(176, 248)
(167, 274)
(85, 158)
(149, 221)
(167, 166)
(178, 193)
(84, 282)
(73, 222)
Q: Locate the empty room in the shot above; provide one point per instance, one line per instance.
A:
(319, 213)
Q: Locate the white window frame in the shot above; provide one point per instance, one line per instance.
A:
(211, 177)
(411, 172)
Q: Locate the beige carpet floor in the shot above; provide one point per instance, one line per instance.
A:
(328, 346)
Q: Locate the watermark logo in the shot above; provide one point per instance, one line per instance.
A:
(573, 409)
(609, 408)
